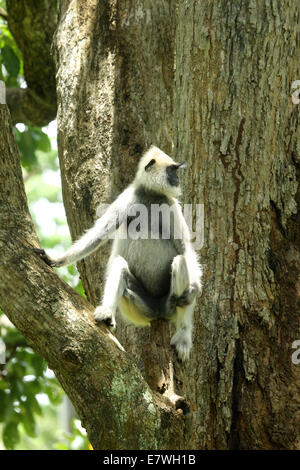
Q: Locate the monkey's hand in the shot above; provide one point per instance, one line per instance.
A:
(42, 254)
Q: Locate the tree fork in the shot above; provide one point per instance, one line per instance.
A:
(124, 106)
(112, 399)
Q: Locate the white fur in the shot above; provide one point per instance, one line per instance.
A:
(155, 179)
(149, 260)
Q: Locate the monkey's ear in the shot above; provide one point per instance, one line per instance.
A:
(150, 164)
(182, 165)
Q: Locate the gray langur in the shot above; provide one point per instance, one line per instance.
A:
(151, 274)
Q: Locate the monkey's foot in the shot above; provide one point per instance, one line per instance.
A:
(188, 296)
(106, 315)
(182, 340)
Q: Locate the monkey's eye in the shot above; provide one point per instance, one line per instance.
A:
(150, 164)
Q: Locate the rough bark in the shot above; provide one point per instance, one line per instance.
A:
(108, 391)
(114, 100)
(236, 126)
(236, 123)
(32, 25)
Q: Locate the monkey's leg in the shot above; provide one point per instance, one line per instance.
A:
(121, 282)
(185, 297)
(113, 291)
(182, 339)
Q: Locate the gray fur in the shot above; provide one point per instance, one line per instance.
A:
(149, 278)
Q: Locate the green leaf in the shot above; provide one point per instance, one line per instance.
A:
(10, 61)
(79, 288)
(29, 423)
(27, 147)
(8, 410)
(41, 139)
(10, 435)
(39, 365)
(3, 401)
(34, 405)
(13, 336)
(3, 386)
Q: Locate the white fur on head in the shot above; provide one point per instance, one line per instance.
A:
(156, 177)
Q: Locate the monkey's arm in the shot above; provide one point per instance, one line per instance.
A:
(184, 247)
(95, 236)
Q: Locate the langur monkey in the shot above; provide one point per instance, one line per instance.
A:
(152, 273)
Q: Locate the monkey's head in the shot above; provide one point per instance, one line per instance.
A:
(158, 172)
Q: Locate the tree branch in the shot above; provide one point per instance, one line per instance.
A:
(108, 391)
(27, 107)
(33, 24)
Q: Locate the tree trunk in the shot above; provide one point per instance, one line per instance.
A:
(238, 127)
(112, 399)
(113, 102)
(92, 84)
(32, 25)
(231, 116)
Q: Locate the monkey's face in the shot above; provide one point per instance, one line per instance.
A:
(172, 173)
(159, 172)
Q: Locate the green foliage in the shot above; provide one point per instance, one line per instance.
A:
(22, 379)
(25, 376)
(11, 62)
(30, 141)
(75, 440)
(52, 436)
(29, 392)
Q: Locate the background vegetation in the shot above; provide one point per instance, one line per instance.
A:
(207, 82)
(32, 403)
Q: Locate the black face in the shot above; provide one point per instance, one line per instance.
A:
(172, 175)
